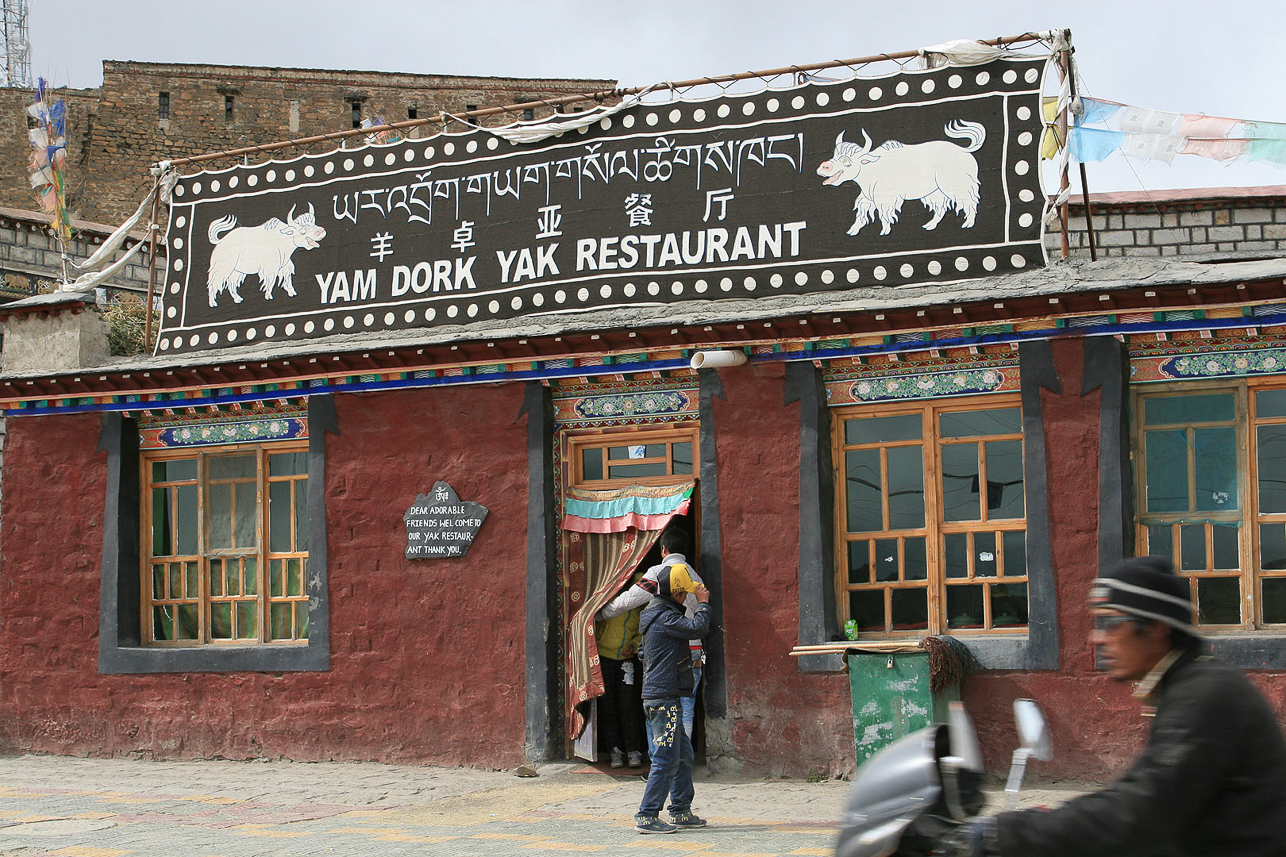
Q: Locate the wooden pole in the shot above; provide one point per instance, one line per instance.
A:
(1064, 183)
(151, 270)
(1085, 188)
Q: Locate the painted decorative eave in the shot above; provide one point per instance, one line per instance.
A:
(1101, 298)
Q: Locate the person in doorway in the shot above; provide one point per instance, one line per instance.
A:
(1212, 778)
(674, 549)
(621, 706)
(667, 677)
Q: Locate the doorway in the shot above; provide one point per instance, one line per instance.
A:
(632, 478)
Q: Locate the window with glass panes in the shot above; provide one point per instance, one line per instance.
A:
(645, 457)
(1211, 477)
(932, 512)
(225, 535)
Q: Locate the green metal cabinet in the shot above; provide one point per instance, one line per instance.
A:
(891, 698)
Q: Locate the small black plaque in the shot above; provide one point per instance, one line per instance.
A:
(440, 525)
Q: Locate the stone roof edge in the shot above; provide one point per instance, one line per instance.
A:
(47, 302)
(1056, 279)
(1180, 196)
(249, 70)
(93, 227)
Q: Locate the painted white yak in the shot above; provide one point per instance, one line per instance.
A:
(262, 250)
(940, 174)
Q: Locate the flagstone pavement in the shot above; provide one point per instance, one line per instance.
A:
(56, 806)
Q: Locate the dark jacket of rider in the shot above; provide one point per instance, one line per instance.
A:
(1211, 781)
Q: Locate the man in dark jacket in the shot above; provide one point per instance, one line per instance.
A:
(1212, 779)
(667, 676)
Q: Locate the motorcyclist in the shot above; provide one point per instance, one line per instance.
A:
(1212, 778)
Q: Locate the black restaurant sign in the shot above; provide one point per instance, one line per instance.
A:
(915, 178)
(439, 525)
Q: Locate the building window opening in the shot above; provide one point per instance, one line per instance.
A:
(933, 520)
(163, 105)
(412, 113)
(227, 109)
(1211, 471)
(356, 110)
(226, 546)
(471, 120)
(600, 462)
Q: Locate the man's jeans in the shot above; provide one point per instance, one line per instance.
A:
(689, 704)
(671, 772)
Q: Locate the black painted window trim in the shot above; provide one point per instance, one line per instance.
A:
(119, 651)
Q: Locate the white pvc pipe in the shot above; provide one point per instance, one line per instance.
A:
(717, 359)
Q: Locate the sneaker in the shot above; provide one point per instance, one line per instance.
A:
(618, 758)
(686, 819)
(652, 824)
(636, 759)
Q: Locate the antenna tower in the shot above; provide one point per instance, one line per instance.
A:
(17, 50)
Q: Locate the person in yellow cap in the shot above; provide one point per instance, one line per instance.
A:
(674, 548)
(667, 676)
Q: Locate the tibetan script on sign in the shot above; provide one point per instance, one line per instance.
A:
(440, 525)
(922, 177)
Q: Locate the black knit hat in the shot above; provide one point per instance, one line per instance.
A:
(1146, 586)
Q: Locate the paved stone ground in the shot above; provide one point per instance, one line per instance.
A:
(54, 806)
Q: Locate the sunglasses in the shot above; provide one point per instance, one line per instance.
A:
(1109, 622)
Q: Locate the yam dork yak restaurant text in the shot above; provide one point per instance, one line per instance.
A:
(416, 411)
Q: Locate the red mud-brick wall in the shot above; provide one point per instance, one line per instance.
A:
(51, 546)
(1097, 727)
(430, 653)
(781, 721)
(426, 656)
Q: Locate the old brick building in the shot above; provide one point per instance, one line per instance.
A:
(148, 112)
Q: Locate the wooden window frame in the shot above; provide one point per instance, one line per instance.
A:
(935, 529)
(578, 443)
(199, 562)
(1247, 517)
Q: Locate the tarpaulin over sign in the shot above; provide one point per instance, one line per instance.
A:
(924, 176)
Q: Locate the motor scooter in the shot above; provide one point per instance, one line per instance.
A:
(908, 799)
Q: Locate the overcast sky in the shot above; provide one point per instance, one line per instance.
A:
(1221, 58)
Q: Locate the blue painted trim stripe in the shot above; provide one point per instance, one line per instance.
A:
(652, 366)
(354, 387)
(1026, 336)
